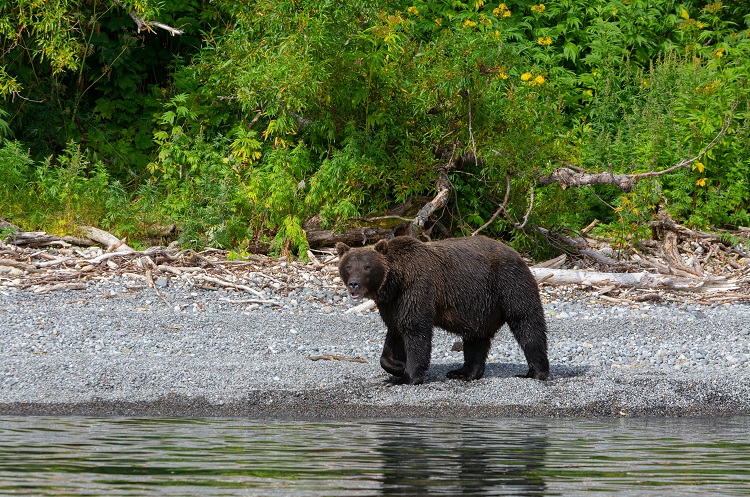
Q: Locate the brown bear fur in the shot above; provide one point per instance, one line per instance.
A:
(467, 286)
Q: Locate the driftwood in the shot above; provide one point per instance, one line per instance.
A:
(20, 265)
(444, 188)
(335, 357)
(353, 237)
(631, 280)
(665, 223)
(64, 267)
(36, 239)
(364, 306)
(72, 268)
(580, 246)
(111, 242)
(568, 177)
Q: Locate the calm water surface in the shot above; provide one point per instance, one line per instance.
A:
(537, 457)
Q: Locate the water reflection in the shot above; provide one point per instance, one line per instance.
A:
(481, 457)
(440, 458)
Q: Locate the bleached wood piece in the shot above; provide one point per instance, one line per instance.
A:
(632, 280)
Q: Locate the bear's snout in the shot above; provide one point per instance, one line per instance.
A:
(354, 289)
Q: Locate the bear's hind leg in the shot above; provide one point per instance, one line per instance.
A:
(531, 335)
(475, 358)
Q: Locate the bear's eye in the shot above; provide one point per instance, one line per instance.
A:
(348, 267)
(367, 267)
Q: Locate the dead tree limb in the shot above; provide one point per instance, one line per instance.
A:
(499, 209)
(580, 246)
(444, 188)
(147, 25)
(568, 177)
(20, 265)
(108, 240)
(353, 237)
(665, 222)
(528, 211)
(631, 280)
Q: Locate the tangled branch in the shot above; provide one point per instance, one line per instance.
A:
(568, 176)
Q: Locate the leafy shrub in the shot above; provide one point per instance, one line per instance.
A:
(286, 110)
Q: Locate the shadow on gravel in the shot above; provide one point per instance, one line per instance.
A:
(437, 372)
(557, 371)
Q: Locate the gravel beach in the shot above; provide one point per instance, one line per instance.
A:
(117, 348)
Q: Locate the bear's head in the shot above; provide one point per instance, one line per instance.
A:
(364, 270)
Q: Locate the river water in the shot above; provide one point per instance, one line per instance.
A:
(532, 457)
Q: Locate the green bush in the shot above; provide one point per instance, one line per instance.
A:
(265, 114)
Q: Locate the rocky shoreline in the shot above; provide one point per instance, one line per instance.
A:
(120, 348)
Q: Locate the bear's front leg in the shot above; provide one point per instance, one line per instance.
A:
(418, 348)
(393, 358)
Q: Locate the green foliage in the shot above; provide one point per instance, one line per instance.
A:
(266, 114)
(15, 170)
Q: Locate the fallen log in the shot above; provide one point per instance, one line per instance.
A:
(581, 247)
(353, 237)
(20, 265)
(108, 240)
(22, 238)
(567, 177)
(632, 280)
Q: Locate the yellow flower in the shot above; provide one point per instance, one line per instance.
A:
(720, 53)
(468, 23)
(701, 182)
(713, 8)
(478, 4)
(438, 21)
(501, 11)
(539, 80)
(526, 76)
(413, 11)
(700, 25)
(544, 40)
(502, 75)
(589, 93)
(538, 8)
(699, 166)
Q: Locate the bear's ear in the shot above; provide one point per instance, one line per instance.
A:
(342, 248)
(382, 246)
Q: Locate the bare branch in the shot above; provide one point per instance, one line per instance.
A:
(567, 177)
(15, 94)
(689, 162)
(146, 25)
(499, 209)
(444, 188)
(580, 246)
(528, 211)
(572, 176)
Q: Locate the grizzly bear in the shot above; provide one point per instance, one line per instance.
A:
(467, 286)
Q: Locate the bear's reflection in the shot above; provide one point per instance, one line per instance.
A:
(480, 457)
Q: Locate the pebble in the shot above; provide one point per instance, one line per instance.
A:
(110, 340)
